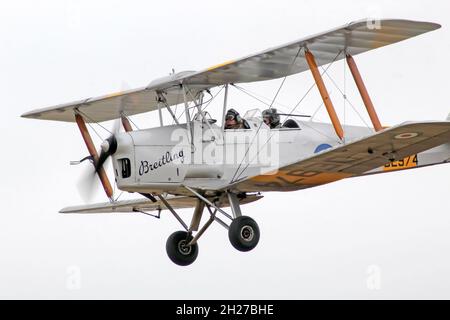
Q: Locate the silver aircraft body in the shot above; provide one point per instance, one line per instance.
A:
(209, 165)
(165, 160)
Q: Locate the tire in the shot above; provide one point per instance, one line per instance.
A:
(177, 252)
(244, 233)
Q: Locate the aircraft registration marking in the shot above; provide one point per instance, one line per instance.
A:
(408, 162)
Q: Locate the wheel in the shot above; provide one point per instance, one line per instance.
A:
(244, 233)
(177, 250)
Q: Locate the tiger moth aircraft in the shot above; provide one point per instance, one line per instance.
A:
(196, 162)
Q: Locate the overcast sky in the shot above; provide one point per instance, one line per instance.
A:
(384, 236)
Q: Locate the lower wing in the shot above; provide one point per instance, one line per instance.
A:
(144, 205)
(352, 159)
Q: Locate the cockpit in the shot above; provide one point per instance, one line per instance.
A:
(251, 118)
(256, 115)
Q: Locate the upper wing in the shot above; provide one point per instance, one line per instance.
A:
(114, 105)
(353, 159)
(137, 205)
(353, 38)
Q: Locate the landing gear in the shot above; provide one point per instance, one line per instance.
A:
(243, 233)
(178, 249)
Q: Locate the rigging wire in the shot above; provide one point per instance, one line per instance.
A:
(260, 125)
(321, 133)
(213, 97)
(254, 96)
(313, 85)
(96, 133)
(292, 111)
(176, 109)
(129, 118)
(203, 103)
(279, 89)
(93, 121)
(318, 108)
(120, 194)
(349, 102)
(284, 80)
(345, 95)
(245, 155)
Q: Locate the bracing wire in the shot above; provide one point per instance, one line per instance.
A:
(346, 99)
(312, 86)
(318, 108)
(254, 96)
(260, 125)
(207, 103)
(129, 118)
(95, 131)
(92, 120)
(292, 111)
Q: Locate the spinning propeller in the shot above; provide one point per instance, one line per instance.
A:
(108, 147)
(88, 184)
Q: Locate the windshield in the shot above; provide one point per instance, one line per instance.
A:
(253, 113)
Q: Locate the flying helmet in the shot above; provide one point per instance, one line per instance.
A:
(233, 114)
(273, 116)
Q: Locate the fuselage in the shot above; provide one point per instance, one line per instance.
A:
(205, 156)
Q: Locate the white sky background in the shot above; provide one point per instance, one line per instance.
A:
(327, 242)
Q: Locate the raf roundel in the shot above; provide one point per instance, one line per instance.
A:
(406, 135)
(322, 147)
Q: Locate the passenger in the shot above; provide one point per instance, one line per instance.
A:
(271, 118)
(233, 120)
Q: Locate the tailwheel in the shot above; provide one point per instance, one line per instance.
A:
(178, 250)
(244, 233)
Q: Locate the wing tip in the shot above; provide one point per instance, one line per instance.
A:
(30, 115)
(65, 210)
(436, 25)
(430, 25)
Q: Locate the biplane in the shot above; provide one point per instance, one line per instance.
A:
(195, 162)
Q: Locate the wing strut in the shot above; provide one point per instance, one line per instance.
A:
(93, 152)
(324, 93)
(126, 124)
(364, 94)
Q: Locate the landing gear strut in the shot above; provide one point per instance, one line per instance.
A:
(243, 232)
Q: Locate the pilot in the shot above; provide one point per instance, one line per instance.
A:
(233, 120)
(271, 118)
